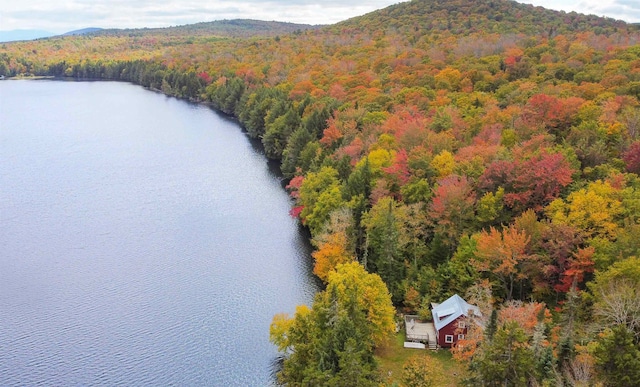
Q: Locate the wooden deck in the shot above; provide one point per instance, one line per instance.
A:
(420, 331)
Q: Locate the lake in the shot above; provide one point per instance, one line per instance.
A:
(145, 241)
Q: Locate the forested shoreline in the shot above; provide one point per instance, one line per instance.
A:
(489, 149)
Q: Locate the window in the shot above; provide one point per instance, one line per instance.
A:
(460, 337)
(461, 324)
(448, 339)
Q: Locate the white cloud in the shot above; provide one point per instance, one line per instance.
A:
(65, 15)
(61, 16)
(627, 10)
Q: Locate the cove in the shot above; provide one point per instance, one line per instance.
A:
(145, 241)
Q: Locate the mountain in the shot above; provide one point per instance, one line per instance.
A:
(464, 17)
(83, 31)
(17, 35)
(241, 28)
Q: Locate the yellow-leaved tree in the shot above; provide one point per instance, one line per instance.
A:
(332, 343)
(594, 210)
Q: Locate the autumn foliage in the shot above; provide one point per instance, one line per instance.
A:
(469, 142)
(330, 254)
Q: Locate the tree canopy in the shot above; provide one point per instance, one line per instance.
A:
(473, 144)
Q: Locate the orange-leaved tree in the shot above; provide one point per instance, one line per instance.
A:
(501, 254)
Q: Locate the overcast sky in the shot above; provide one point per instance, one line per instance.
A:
(64, 15)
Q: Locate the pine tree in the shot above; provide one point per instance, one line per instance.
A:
(618, 358)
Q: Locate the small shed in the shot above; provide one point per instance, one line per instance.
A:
(450, 319)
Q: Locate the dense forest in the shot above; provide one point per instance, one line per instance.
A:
(485, 148)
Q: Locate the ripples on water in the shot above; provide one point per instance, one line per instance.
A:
(145, 241)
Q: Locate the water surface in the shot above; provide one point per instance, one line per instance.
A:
(144, 241)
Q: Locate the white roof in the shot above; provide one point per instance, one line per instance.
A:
(450, 310)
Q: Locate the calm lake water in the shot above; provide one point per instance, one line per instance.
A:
(144, 241)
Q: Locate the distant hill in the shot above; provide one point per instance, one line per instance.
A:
(241, 28)
(465, 17)
(244, 26)
(16, 35)
(83, 31)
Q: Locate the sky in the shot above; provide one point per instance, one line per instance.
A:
(61, 16)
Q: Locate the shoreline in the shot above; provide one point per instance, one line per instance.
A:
(28, 77)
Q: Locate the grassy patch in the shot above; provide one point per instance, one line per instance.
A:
(393, 356)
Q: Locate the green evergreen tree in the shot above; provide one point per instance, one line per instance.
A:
(492, 326)
(298, 140)
(618, 358)
(507, 360)
(332, 343)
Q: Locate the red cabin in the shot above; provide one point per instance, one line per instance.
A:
(450, 320)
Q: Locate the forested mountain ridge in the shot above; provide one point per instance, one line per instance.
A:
(243, 28)
(485, 148)
(105, 45)
(83, 31)
(465, 17)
